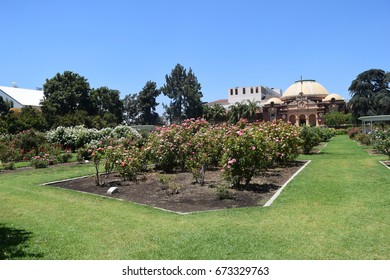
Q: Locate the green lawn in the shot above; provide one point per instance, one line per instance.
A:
(337, 208)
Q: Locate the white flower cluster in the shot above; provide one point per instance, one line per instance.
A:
(78, 136)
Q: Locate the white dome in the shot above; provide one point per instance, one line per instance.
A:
(333, 95)
(308, 87)
(275, 100)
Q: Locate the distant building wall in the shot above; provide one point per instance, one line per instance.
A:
(255, 93)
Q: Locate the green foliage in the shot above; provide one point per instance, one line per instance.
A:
(170, 146)
(382, 142)
(184, 91)
(310, 139)
(147, 104)
(215, 113)
(130, 163)
(64, 157)
(4, 107)
(168, 184)
(324, 133)
(64, 94)
(223, 191)
(131, 108)
(29, 140)
(365, 139)
(42, 161)
(370, 94)
(7, 166)
(69, 101)
(244, 110)
(337, 119)
(107, 105)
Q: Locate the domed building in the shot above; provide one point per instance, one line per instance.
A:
(303, 103)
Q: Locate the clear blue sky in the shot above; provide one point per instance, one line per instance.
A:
(124, 44)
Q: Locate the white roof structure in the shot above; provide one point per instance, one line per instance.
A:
(21, 97)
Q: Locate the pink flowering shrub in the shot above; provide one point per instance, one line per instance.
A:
(283, 140)
(128, 161)
(244, 154)
(242, 150)
(203, 150)
(42, 161)
(170, 146)
(250, 148)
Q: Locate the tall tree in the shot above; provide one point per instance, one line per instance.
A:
(147, 104)
(106, 104)
(193, 96)
(65, 94)
(184, 91)
(370, 94)
(130, 108)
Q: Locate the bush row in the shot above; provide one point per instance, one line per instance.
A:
(78, 136)
(379, 139)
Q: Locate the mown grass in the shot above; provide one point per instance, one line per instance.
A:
(337, 208)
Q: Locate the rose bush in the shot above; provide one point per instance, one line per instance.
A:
(382, 142)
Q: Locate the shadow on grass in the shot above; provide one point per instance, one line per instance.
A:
(13, 243)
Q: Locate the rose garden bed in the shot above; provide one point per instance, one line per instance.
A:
(186, 196)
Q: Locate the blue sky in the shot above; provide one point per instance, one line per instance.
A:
(124, 44)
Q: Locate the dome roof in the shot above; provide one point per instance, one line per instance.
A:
(308, 87)
(333, 95)
(275, 100)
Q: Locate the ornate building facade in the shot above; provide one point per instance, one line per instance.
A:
(303, 103)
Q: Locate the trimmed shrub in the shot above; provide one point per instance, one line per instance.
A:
(310, 138)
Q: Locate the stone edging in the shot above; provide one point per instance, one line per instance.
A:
(383, 162)
(273, 198)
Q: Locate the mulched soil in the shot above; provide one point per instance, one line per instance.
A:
(190, 197)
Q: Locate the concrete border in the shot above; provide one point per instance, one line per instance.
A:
(383, 162)
(275, 196)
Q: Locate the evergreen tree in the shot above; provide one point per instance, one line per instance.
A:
(370, 94)
(147, 104)
(193, 103)
(184, 91)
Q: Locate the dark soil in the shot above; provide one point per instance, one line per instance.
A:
(184, 195)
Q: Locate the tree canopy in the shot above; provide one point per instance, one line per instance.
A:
(370, 94)
(147, 104)
(69, 100)
(184, 91)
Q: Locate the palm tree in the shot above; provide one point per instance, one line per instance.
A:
(251, 110)
(236, 112)
(215, 113)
